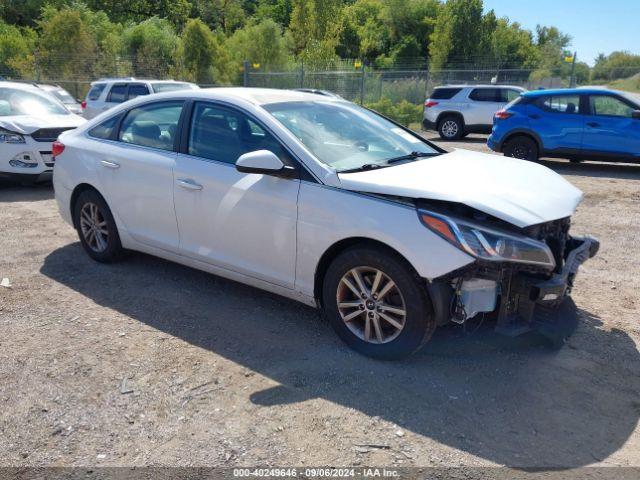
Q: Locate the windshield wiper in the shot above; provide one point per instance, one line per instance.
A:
(366, 166)
(390, 161)
(412, 156)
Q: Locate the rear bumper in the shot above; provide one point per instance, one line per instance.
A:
(528, 303)
(428, 124)
(493, 145)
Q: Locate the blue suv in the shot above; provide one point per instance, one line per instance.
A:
(577, 124)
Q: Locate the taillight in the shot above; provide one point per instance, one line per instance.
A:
(83, 104)
(503, 115)
(57, 148)
(430, 104)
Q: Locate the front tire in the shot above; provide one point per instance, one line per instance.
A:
(377, 304)
(97, 228)
(450, 128)
(522, 148)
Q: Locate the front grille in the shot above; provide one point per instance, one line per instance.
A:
(48, 134)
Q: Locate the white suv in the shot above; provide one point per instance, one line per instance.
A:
(106, 93)
(455, 111)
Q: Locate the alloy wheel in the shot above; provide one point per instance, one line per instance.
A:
(450, 128)
(94, 227)
(371, 305)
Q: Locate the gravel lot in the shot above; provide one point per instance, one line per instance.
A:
(148, 362)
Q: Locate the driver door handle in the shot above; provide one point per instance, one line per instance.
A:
(593, 124)
(108, 164)
(188, 184)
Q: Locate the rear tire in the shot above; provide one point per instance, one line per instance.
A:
(522, 148)
(390, 334)
(450, 128)
(97, 228)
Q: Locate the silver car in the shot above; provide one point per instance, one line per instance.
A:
(455, 111)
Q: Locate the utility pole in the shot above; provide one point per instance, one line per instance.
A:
(245, 73)
(572, 82)
(362, 85)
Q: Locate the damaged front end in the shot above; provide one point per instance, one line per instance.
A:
(520, 277)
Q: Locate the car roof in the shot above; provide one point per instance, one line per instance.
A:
(480, 86)
(571, 91)
(257, 96)
(133, 79)
(29, 87)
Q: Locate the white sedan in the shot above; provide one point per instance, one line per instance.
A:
(328, 203)
(30, 120)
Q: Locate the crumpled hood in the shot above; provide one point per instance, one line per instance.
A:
(520, 192)
(27, 124)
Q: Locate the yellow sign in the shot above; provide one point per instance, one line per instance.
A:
(357, 64)
(568, 59)
(256, 66)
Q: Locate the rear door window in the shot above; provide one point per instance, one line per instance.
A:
(136, 90)
(153, 125)
(486, 95)
(568, 104)
(444, 93)
(118, 93)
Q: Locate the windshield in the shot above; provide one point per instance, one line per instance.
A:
(346, 136)
(20, 102)
(634, 97)
(171, 86)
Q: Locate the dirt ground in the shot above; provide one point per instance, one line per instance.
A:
(150, 363)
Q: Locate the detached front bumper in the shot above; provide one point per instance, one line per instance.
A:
(528, 303)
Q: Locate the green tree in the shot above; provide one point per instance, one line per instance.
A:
(226, 15)
(262, 43)
(67, 46)
(458, 34)
(16, 50)
(151, 45)
(277, 10)
(200, 57)
(616, 65)
(175, 11)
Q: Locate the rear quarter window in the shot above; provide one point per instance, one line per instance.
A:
(105, 130)
(486, 95)
(444, 93)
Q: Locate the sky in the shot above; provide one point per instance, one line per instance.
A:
(596, 26)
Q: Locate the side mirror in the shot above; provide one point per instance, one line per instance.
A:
(265, 162)
(635, 114)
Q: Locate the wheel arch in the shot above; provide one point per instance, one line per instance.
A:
(450, 113)
(77, 191)
(523, 133)
(439, 293)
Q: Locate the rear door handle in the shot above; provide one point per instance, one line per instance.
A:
(189, 184)
(593, 124)
(534, 116)
(108, 164)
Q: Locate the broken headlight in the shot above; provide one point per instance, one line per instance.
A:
(487, 243)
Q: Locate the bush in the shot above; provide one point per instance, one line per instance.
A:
(403, 112)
